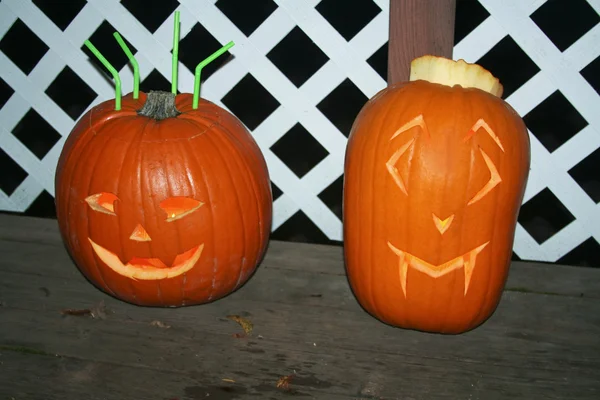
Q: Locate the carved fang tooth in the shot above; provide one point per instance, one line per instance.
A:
(469, 264)
(403, 270)
(402, 266)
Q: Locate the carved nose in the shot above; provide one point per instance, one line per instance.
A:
(139, 234)
(442, 225)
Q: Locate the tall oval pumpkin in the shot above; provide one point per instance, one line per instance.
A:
(435, 174)
(162, 204)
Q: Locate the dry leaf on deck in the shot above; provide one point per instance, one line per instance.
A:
(160, 324)
(246, 324)
(77, 312)
(97, 312)
(284, 382)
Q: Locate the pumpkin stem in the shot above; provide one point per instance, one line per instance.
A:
(448, 72)
(159, 105)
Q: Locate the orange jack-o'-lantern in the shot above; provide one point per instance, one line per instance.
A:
(163, 204)
(435, 174)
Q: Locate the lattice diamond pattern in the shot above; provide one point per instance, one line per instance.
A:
(544, 67)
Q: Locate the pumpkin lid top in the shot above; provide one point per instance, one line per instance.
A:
(449, 72)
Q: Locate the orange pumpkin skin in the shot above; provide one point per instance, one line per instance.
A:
(202, 167)
(434, 179)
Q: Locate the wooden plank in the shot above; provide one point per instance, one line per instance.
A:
(18, 228)
(517, 365)
(418, 27)
(519, 352)
(554, 279)
(50, 377)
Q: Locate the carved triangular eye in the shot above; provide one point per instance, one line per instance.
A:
(102, 202)
(179, 207)
(495, 179)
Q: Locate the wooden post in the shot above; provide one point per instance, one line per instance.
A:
(418, 27)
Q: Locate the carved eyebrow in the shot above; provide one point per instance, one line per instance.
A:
(482, 124)
(417, 121)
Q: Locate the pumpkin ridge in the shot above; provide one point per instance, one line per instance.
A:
(492, 273)
(93, 174)
(160, 130)
(228, 167)
(132, 145)
(143, 188)
(431, 96)
(193, 158)
(474, 153)
(241, 149)
(105, 147)
(252, 188)
(451, 98)
(379, 142)
(141, 199)
(73, 172)
(195, 194)
(389, 118)
(214, 272)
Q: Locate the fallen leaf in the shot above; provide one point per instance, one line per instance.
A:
(284, 382)
(96, 312)
(228, 380)
(160, 324)
(77, 312)
(246, 325)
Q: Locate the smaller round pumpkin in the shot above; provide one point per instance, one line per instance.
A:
(435, 174)
(161, 204)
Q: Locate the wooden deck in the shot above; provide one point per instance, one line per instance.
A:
(542, 342)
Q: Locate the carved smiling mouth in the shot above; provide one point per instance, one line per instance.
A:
(149, 268)
(467, 261)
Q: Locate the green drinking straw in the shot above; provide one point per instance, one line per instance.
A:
(175, 54)
(204, 64)
(112, 70)
(134, 63)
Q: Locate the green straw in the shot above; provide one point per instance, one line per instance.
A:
(204, 64)
(112, 70)
(134, 63)
(175, 53)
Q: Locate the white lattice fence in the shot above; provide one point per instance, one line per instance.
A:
(299, 105)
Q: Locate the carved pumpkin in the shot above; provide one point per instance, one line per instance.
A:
(435, 175)
(170, 206)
